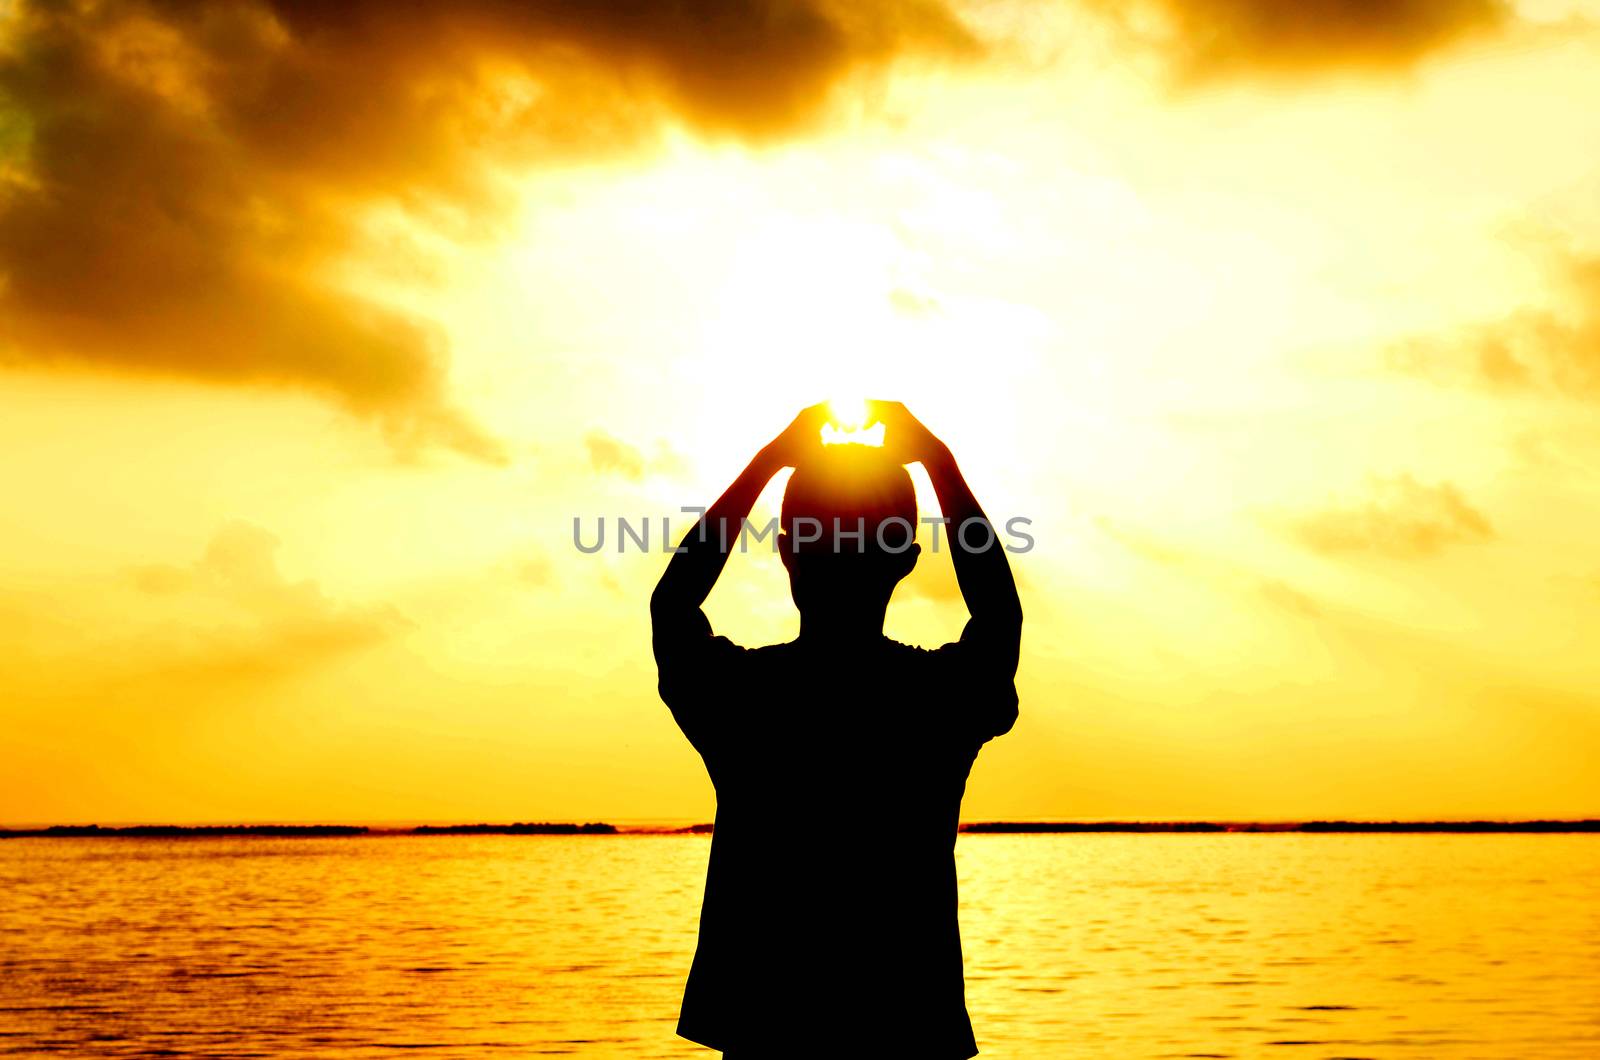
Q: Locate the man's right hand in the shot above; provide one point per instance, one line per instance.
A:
(800, 440)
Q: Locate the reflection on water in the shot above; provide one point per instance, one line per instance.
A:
(1077, 945)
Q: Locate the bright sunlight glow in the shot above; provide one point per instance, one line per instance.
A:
(872, 436)
(847, 423)
(848, 413)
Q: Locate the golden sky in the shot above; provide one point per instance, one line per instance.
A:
(319, 324)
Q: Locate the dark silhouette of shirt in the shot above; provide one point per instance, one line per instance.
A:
(829, 924)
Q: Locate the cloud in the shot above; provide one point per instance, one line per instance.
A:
(911, 303)
(1142, 544)
(612, 456)
(1207, 40)
(1225, 576)
(1532, 351)
(233, 611)
(178, 180)
(608, 454)
(1280, 594)
(537, 572)
(1404, 519)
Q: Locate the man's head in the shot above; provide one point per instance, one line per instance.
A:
(849, 528)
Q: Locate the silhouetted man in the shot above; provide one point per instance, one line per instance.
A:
(839, 759)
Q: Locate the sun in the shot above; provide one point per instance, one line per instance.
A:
(848, 423)
(848, 413)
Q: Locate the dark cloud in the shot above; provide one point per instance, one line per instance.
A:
(177, 178)
(1208, 40)
(1402, 518)
(1532, 351)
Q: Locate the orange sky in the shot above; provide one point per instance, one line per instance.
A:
(318, 329)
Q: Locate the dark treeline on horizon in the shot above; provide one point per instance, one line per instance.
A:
(165, 831)
(520, 828)
(173, 831)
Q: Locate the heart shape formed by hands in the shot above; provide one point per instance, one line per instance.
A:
(851, 422)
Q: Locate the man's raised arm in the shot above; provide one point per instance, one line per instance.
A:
(703, 553)
(982, 570)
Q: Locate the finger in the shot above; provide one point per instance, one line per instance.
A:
(879, 411)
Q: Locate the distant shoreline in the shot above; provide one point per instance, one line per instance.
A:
(592, 828)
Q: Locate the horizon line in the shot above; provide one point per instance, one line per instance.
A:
(1477, 825)
(405, 823)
